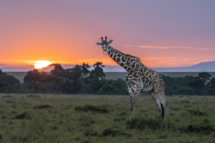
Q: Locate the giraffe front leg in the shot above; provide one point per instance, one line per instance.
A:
(131, 93)
(133, 101)
(134, 91)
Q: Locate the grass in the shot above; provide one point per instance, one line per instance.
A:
(90, 118)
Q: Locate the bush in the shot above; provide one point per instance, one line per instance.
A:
(117, 87)
(23, 115)
(211, 91)
(184, 91)
(168, 90)
(95, 108)
(8, 84)
(42, 106)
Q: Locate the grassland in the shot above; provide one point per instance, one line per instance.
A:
(66, 118)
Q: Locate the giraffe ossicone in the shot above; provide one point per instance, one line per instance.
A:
(139, 78)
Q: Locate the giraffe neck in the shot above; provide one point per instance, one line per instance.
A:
(128, 62)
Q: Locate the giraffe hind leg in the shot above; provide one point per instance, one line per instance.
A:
(164, 105)
(158, 103)
(162, 111)
(132, 101)
(166, 110)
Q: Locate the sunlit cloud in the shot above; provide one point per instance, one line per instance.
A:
(108, 61)
(127, 45)
(175, 47)
(170, 61)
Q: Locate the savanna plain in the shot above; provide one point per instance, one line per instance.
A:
(50, 118)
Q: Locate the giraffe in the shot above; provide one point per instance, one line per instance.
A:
(139, 78)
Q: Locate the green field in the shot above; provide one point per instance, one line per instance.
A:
(52, 118)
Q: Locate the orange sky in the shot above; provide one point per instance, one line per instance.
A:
(66, 32)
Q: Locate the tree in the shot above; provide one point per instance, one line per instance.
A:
(204, 76)
(1, 73)
(9, 83)
(72, 78)
(37, 87)
(96, 84)
(98, 71)
(211, 84)
(96, 77)
(113, 87)
(84, 68)
(168, 90)
(211, 91)
(85, 72)
(58, 70)
(32, 76)
(197, 86)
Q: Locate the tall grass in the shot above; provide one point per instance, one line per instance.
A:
(91, 118)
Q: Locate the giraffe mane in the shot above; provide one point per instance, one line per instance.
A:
(126, 54)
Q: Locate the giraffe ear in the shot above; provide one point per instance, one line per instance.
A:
(110, 42)
(98, 43)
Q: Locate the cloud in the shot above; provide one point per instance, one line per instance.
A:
(175, 47)
(127, 45)
(169, 61)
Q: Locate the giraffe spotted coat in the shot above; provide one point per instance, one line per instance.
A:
(139, 78)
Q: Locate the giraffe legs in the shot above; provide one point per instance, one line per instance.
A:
(161, 97)
(157, 102)
(133, 97)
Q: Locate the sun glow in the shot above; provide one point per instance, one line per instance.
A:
(41, 64)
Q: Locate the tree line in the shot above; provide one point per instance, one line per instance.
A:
(203, 84)
(76, 80)
(80, 80)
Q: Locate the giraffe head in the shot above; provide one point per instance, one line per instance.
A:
(105, 44)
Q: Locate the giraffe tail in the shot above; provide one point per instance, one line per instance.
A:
(162, 112)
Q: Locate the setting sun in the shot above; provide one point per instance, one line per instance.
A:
(41, 64)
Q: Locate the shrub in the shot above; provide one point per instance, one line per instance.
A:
(113, 87)
(185, 91)
(211, 91)
(95, 108)
(168, 90)
(42, 107)
(23, 115)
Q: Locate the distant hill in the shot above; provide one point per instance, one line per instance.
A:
(201, 67)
